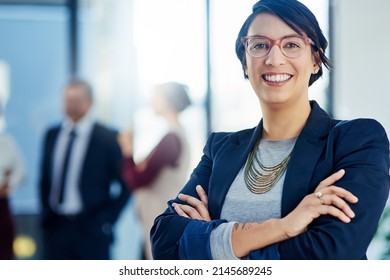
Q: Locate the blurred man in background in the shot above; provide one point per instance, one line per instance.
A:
(80, 162)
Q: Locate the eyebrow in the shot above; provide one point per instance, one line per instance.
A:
(289, 35)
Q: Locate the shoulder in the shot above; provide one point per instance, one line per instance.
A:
(218, 140)
(171, 136)
(360, 129)
(103, 130)
(171, 139)
(52, 131)
(365, 137)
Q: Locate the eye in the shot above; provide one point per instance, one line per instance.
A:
(258, 45)
(293, 43)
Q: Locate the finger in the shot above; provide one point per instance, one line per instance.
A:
(333, 211)
(179, 211)
(202, 194)
(331, 179)
(200, 207)
(193, 201)
(338, 203)
(189, 211)
(341, 192)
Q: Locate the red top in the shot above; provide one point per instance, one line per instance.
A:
(166, 153)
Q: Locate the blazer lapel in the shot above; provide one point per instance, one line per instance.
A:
(307, 151)
(228, 164)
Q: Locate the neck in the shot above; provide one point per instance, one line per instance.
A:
(284, 122)
(172, 118)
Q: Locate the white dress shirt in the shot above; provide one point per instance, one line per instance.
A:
(11, 160)
(72, 203)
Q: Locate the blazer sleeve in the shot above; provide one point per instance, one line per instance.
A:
(361, 147)
(176, 237)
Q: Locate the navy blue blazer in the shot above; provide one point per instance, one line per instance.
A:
(324, 146)
(100, 169)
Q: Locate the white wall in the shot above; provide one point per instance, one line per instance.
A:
(362, 59)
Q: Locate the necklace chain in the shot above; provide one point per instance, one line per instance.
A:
(260, 179)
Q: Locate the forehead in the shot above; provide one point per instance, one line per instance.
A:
(75, 91)
(270, 26)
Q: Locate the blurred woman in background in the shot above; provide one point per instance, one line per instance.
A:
(162, 173)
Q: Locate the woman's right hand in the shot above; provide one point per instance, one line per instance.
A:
(196, 208)
(125, 140)
(327, 199)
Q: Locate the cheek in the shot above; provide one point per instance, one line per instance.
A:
(251, 67)
(307, 72)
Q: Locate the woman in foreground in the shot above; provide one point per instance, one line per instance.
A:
(300, 185)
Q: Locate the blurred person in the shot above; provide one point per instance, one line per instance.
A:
(159, 176)
(12, 173)
(300, 185)
(79, 209)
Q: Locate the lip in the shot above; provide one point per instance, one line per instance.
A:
(276, 79)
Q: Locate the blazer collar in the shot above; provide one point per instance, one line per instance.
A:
(228, 164)
(310, 142)
(318, 125)
(306, 153)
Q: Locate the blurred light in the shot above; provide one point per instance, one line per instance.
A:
(24, 247)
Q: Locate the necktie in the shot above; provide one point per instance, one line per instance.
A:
(65, 166)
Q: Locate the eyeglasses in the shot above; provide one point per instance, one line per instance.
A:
(291, 46)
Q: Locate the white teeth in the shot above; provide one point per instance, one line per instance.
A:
(277, 78)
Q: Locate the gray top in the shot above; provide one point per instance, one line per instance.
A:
(241, 205)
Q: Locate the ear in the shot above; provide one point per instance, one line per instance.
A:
(246, 72)
(317, 63)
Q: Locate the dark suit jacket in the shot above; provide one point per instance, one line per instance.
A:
(101, 168)
(323, 147)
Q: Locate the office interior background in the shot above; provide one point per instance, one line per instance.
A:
(124, 47)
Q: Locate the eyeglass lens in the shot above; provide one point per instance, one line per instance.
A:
(291, 46)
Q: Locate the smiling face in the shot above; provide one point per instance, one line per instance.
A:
(275, 78)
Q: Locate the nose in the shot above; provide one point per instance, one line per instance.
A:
(275, 56)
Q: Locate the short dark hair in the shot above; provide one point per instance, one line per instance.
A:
(300, 19)
(78, 82)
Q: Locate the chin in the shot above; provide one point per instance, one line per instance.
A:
(273, 99)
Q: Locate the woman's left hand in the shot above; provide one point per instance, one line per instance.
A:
(197, 209)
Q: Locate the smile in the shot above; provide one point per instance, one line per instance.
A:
(277, 78)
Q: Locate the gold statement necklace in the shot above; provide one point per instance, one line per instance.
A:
(260, 178)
